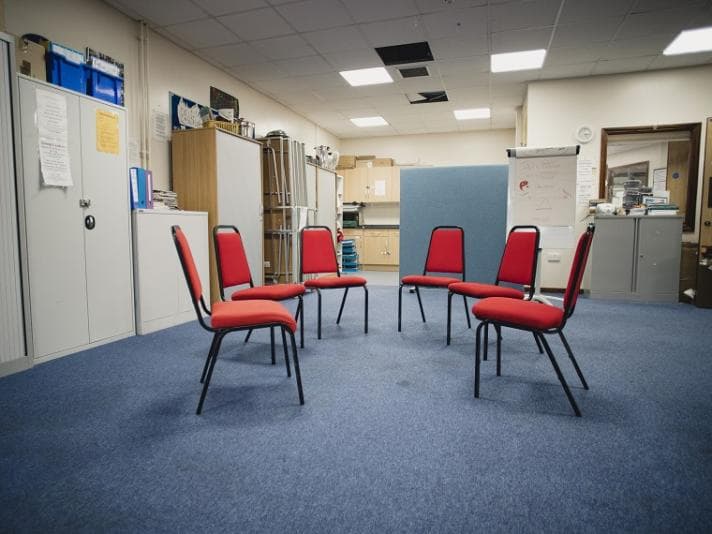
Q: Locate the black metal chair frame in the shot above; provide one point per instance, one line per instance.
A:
(425, 273)
(539, 335)
(497, 281)
(298, 316)
(338, 274)
(220, 333)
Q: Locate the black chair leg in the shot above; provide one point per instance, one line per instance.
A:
(207, 360)
(249, 333)
(213, 358)
(538, 344)
(560, 376)
(300, 312)
(420, 303)
(467, 312)
(486, 342)
(449, 316)
(499, 349)
(365, 310)
(296, 369)
(286, 352)
(573, 360)
(341, 309)
(477, 360)
(400, 305)
(271, 341)
(318, 323)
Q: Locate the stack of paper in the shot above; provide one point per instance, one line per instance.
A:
(165, 199)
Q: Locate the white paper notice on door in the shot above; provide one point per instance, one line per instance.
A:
(52, 127)
(54, 162)
(380, 188)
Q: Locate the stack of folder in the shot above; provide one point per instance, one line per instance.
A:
(141, 185)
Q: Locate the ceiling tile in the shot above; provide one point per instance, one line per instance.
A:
(457, 48)
(372, 10)
(354, 59)
(613, 66)
(470, 96)
(567, 71)
(393, 32)
(234, 54)
(664, 22)
(304, 66)
(650, 5)
(223, 7)
(419, 85)
(465, 80)
(643, 46)
(258, 72)
(522, 14)
(203, 33)
(434, 6)
(587, 10)
(684, 60)
(337, 40)
(286, 47)
(315, 15)
(597, 31)
(515, 40)
(165, 12)
(569, 56)
(257, 24)
(450, 23)
(475, 65)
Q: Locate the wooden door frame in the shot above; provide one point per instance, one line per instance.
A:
(694, 128)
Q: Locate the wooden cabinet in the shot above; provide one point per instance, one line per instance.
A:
(372, 185)
(380, 247)
(221, 173)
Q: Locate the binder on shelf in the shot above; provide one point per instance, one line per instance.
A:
(133, 186)
(141, 188)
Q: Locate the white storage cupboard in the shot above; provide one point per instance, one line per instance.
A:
(79, 236)
(162, 297)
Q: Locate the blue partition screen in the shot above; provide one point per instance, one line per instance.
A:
(474, 197)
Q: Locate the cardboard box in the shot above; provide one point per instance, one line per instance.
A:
(346, 162)
(365, 157)
(364, 163)
(383, 162)
(30, 58)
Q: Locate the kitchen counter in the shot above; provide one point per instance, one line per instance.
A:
(375, 227)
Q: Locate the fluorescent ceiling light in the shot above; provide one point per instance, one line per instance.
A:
(367, 76)
(369, 121)
(528, 59)
(473, 113)
(690, 41)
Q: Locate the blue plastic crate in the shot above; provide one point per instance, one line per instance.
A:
(62, 71)
(104, 86)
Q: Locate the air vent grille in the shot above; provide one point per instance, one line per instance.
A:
(414, 72)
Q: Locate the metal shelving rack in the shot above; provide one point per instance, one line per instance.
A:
(284, 189)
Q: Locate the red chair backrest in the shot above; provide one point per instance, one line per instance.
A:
(446, 252)
(578, 266)
(233, 269)
(188, 264)
(317, 251)
(518, 264)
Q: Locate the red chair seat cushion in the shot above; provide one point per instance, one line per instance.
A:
(246, 313)
(427, 280)
(482, 291)
(275, 292)
(524, 313)
(331, 282)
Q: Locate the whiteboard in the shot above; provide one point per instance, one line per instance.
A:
(542, 186)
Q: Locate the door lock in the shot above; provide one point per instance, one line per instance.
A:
(84, 202)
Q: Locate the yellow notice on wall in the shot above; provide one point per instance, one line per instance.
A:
(107, 132)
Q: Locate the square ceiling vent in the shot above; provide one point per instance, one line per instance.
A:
(414, 72)
(429, 97)
(406, 53)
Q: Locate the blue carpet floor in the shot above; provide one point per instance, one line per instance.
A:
(390, 438)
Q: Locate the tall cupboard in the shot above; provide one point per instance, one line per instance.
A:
(78, 235)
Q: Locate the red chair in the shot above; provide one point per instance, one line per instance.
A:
(226, 317)
(537, 318)
(233, 270)
(517, 266)
(317, 256)
(446, 254)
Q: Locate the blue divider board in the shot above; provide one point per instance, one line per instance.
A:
(474, 197)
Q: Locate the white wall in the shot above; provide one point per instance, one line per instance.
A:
(555, 109)
(82, 23)
(457, 148)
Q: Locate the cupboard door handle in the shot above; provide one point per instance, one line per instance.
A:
(89, 222)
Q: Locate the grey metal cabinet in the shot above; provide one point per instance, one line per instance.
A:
(636, 258)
